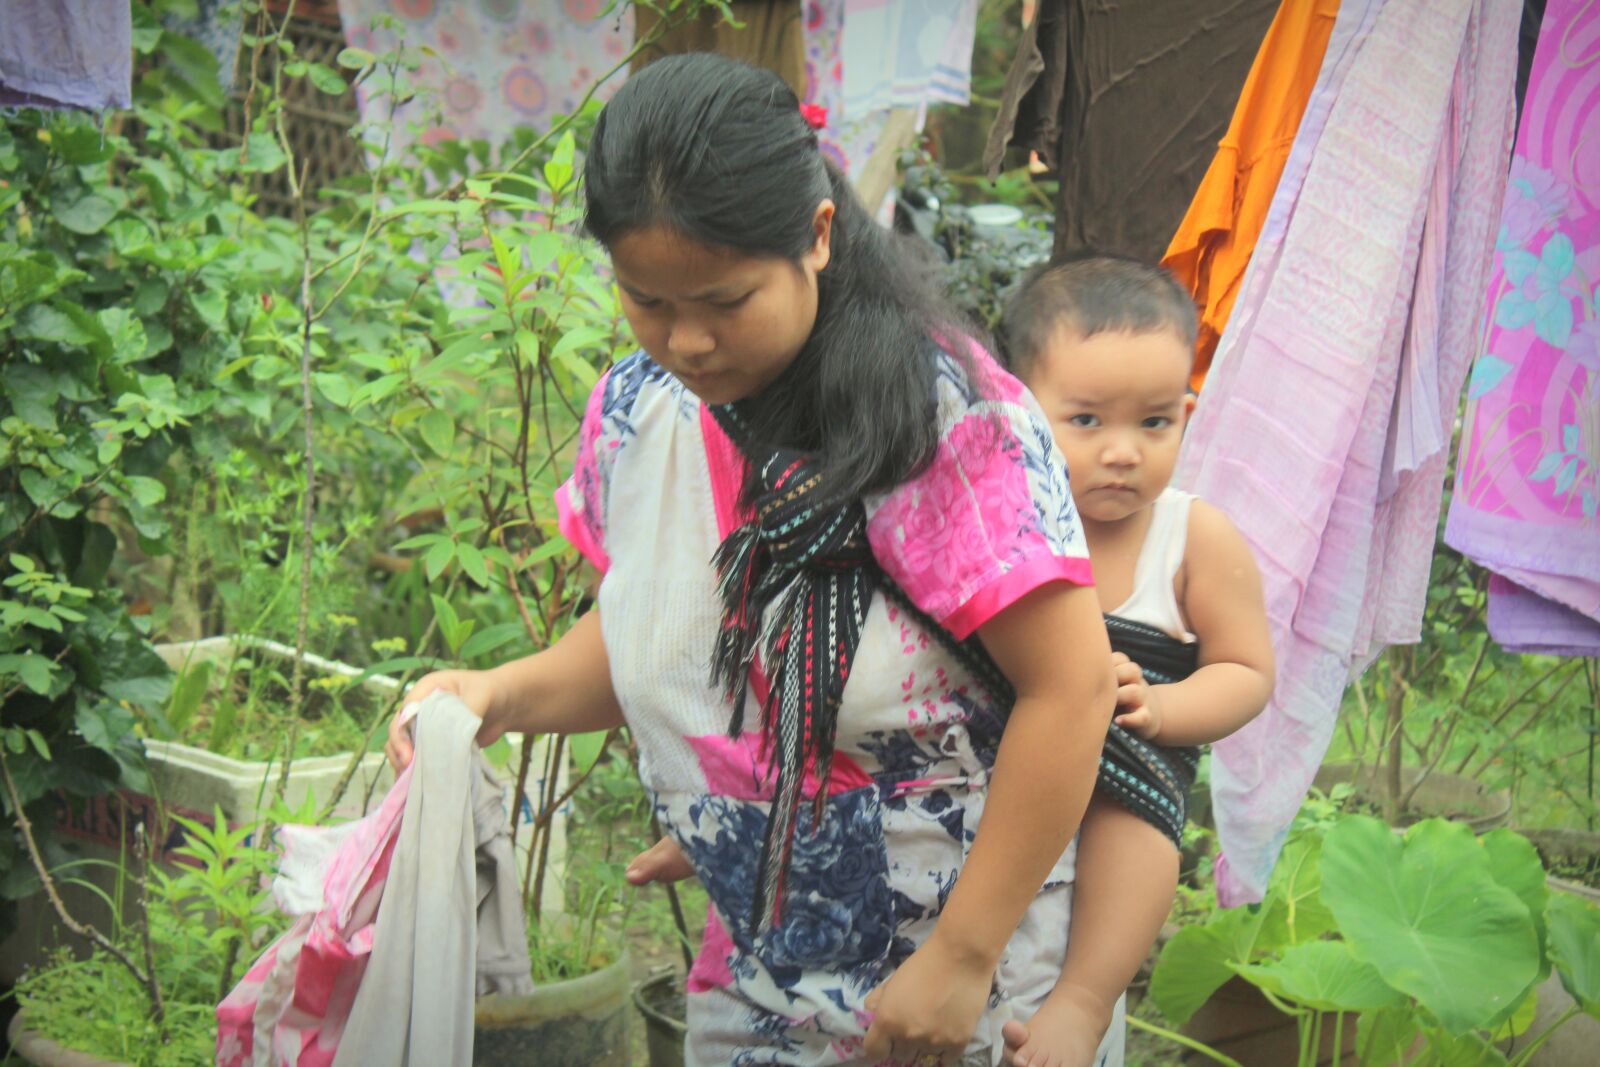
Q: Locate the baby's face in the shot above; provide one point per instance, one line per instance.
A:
(1117, 403)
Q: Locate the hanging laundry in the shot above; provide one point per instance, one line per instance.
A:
(848, 140)
(1445, 311)
(769, 36)
(1350, 31)
(1313, 431)
(907, 53)
(1527, 494)
(66, 54)
(498, 65)
(1092, 91)
(854, 129)
(1212, 247)
(1527, 41)
(401, 918)
(823, 23)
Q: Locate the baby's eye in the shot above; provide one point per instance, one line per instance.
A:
(1157, 422)
(1085, 422)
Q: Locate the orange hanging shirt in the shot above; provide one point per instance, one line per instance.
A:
(1212, 247)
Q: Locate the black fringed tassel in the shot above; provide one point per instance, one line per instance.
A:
(733, 656)
(795, 584)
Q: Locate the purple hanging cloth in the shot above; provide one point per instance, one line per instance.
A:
(1322, 430)
(66, 54)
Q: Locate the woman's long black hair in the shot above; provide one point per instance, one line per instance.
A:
(719, 152)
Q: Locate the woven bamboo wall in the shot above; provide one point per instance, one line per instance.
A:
(318, 124)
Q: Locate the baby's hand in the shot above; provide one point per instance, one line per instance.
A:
(663, 861)
(1138, 709)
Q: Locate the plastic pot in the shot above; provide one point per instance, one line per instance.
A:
(1239, 1022)
(1568, 848)
(660, 1000)
(40, 1051)
(582, 1022)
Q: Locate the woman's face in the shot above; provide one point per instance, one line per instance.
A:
(724, 323)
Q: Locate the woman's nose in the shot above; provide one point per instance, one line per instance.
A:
(688, 340)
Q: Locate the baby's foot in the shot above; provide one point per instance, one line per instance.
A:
(663, 861)
(1064, 1032)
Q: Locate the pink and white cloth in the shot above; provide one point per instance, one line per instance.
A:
(1323, 426)
(1527, 493)
(401, 918)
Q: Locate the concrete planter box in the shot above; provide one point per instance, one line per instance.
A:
(193, 782)
(1575, 1044)
(191, 778)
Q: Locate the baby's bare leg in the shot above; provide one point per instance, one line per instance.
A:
(1127, 874)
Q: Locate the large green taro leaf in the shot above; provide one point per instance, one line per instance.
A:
(1197, 960)
(1426, 911)
(1385, 1038)
(1575, 947)
(1324, 976)
(1459, 1050)
(1514, 863)
(1296, 913)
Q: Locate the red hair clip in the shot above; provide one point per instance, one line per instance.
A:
(816, 115)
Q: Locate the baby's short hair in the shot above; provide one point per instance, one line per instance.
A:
(1093, 292)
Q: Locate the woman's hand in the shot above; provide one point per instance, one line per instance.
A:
(566, 689)
(928, 1009)
(477, 690)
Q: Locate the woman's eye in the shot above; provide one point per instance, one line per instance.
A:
(730, 305)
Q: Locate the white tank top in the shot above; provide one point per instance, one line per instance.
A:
(1153, 602)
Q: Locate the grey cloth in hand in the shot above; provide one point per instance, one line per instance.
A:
(450, 924)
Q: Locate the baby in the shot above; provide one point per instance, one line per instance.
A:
(1106, 345)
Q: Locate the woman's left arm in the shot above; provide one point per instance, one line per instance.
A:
(1052, 645)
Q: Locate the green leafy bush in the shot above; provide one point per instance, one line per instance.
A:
(1458, 703)
(119, 314)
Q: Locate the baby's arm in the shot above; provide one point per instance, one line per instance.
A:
(1222, 599)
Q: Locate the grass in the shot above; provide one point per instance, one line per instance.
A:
(239, 706)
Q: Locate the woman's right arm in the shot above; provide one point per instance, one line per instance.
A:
(566, 689)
